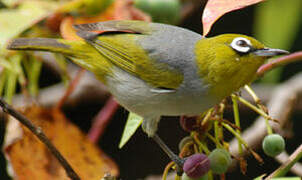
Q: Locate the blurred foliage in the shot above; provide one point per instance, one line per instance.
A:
(15, 21)
(277, 23)
(167, 11)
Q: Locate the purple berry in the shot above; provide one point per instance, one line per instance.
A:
(196, 165)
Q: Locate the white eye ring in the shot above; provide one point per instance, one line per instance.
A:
(246, 47)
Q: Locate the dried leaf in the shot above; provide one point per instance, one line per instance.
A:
(28, 157)
(243, 165)
(216, 8)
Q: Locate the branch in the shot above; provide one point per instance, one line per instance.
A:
(39, 133)
(294, 57)
(290, 162)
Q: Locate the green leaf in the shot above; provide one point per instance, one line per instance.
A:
(133, 122)
(15, 21)
(276, 24)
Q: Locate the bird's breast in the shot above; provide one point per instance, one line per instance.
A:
(191, 98)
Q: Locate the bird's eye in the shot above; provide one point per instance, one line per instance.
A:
(241, 45)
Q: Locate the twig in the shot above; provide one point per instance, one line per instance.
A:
(102, 119)
(71, 87)
(283, 158)
(39, 133)
(297, 56)
(283, 169)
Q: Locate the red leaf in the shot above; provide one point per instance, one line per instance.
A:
(216, 8)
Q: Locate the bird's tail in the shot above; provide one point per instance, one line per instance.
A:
(66, 47)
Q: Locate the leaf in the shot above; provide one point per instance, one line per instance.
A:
(276, 25)
(28, 157)
(214, 9)
(15, 21)
(133, 122)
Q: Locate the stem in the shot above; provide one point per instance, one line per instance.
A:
(285, 167)
(201, 145)
(39, 133)
(254, 108)
(297, 56)
(216, 131)
(252, 93)
(34, 75)
(102, 119)
(237, 122)
(10, 86)
(207, 117)
(229, 128)
(71, 87)
(258, 102)
(218, 144)
(166, 171)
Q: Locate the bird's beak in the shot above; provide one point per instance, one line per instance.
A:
(269, 52)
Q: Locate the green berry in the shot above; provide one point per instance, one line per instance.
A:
(273, 145)
(186, 177)
(220, 160)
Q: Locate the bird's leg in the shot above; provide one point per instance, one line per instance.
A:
(178, 161)
(150, 127)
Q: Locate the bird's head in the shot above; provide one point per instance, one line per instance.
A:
(229, 61)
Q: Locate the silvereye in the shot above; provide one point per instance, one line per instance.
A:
(157, 69)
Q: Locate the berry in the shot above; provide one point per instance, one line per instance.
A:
(273, 145)
(196, 165)
(220, 160)
(184, 141)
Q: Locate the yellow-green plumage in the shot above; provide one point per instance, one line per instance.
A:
(124, 52)
(155, 69)
(224, 68)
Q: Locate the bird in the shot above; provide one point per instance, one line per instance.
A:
(155, 69)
